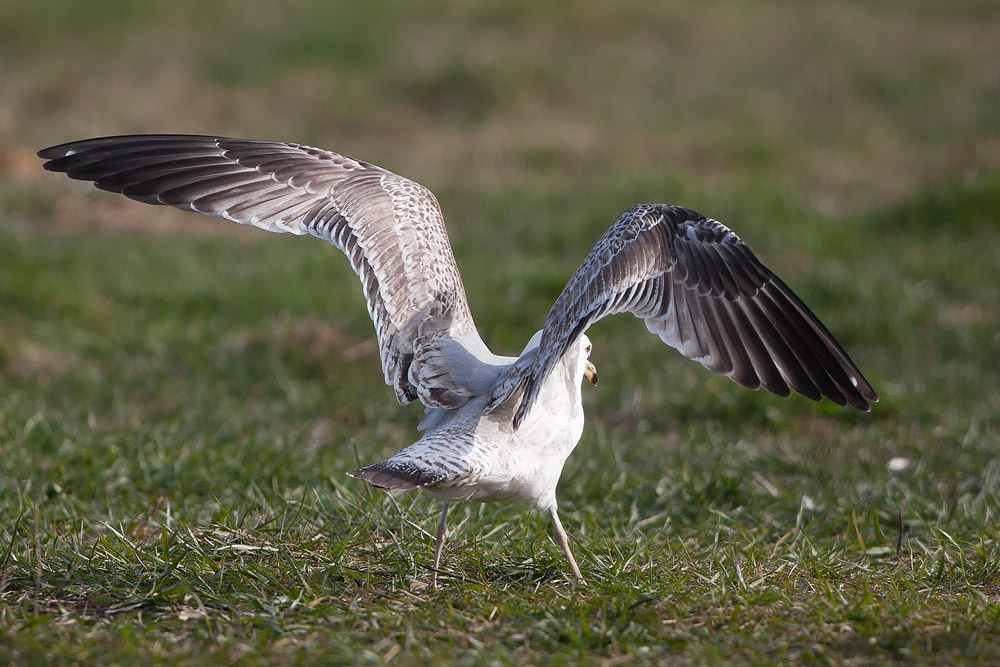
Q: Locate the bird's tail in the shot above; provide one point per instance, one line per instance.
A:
(391, 475)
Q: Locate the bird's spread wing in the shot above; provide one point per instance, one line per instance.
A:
(389, 227)
(701, 289)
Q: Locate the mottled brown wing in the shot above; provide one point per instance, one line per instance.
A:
(389, 227)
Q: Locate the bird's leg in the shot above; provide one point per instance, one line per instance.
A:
(442, 535)
(563, 543)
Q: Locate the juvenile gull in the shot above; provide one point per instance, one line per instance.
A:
(496, 428)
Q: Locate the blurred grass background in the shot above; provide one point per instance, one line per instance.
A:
(174, 389)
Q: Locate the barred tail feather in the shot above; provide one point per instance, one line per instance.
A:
(392, 475)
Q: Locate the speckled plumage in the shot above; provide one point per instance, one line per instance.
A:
(497, 428)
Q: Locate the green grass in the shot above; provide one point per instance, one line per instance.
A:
(177, 409)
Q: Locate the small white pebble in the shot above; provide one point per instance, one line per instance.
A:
(897, 464)
(808, 503)
(191, 614)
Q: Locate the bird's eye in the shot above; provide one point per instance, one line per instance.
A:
(589, 346)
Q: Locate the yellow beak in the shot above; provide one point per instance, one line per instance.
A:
(591, 374)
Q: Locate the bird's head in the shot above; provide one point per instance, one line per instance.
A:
(589, 369)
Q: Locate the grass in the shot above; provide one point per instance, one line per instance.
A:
(179, 400)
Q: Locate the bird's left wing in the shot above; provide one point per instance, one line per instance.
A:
(701, 289)
(390, 228)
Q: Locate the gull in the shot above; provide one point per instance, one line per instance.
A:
(496, 428)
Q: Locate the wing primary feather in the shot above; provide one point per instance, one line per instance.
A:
(142, 182)
(767, 373)
(780, 350)
(802, 344)
(839, 367)
(732, 339)
(714, 356)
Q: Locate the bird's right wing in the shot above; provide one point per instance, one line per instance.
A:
(701, 289)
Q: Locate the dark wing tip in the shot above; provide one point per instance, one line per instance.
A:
(54, 158)
(71, 148)
(51, 153)
(863, 396)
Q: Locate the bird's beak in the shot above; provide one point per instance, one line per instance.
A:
(591, 373)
